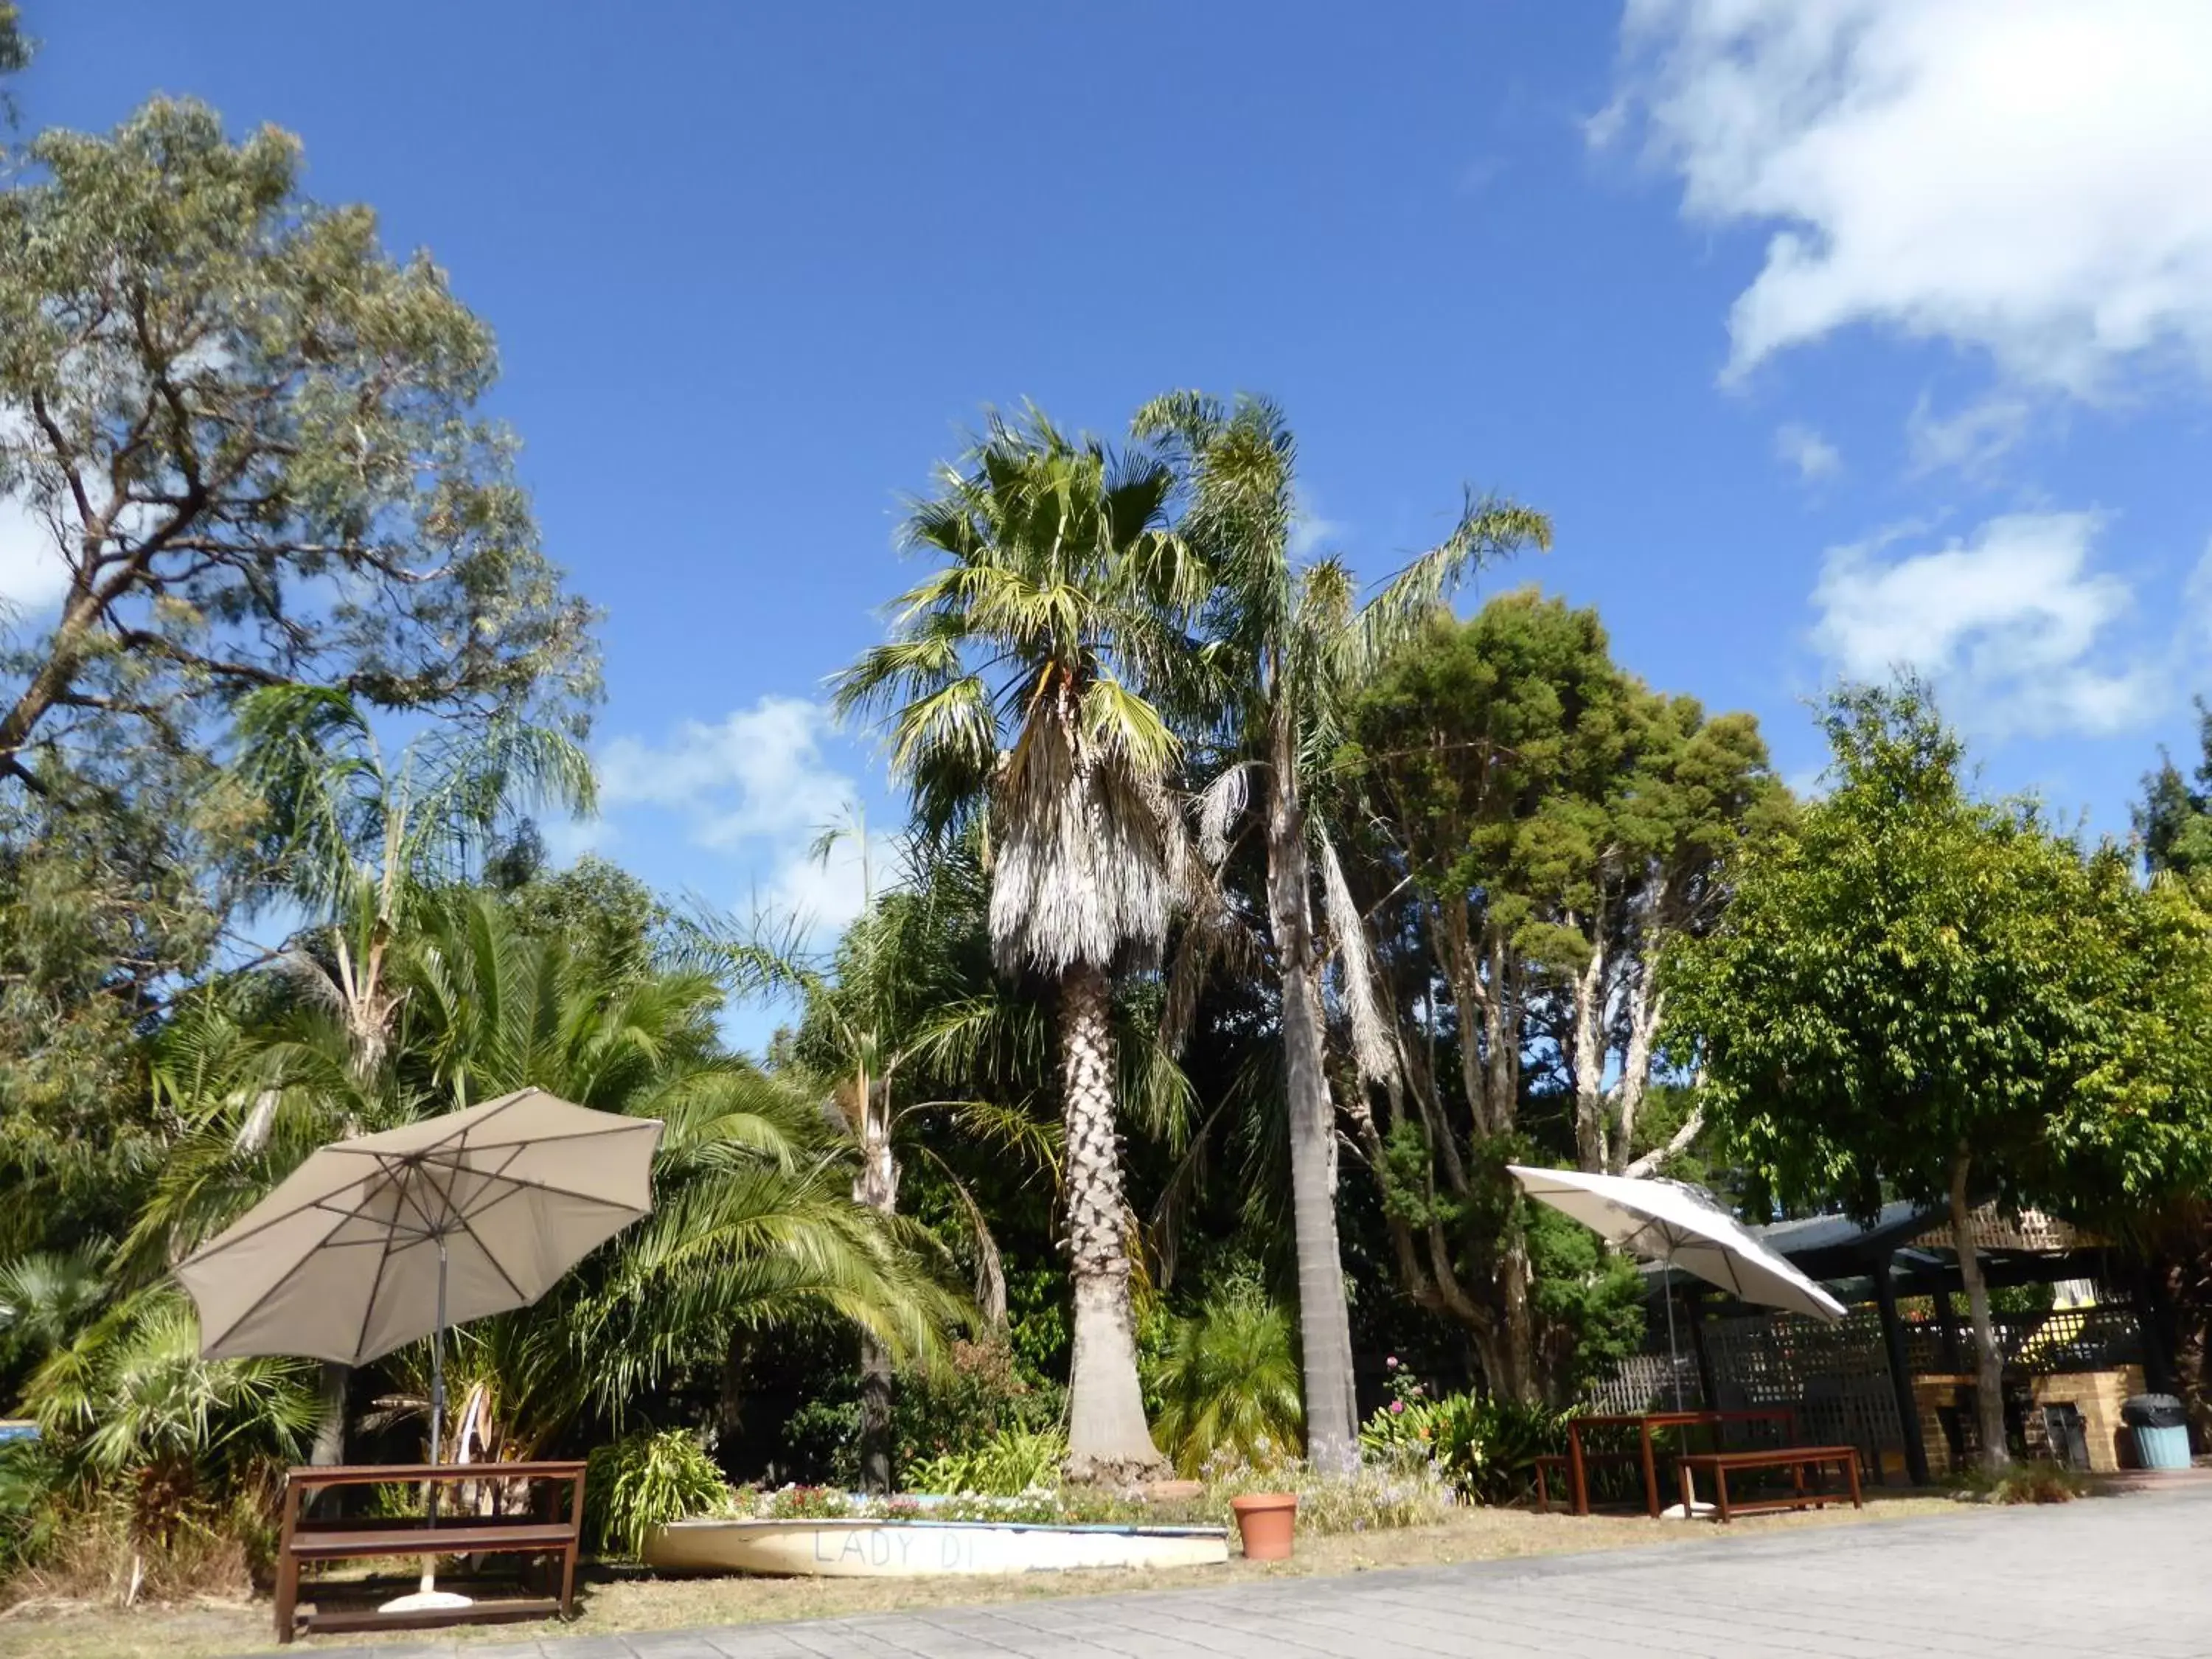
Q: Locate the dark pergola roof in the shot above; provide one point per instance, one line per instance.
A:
(1845, 1255)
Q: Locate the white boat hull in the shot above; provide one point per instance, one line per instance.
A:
(922, 1549)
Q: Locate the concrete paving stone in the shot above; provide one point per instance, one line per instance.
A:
(2105, 1577)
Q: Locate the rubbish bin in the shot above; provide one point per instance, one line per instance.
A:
(2162, 1430)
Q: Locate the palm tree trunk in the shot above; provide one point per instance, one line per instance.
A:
(877, 1186)
(1324, 1320)
(333, 1384)
(1108, 1440)
(875, 1416)
(1989, 1363)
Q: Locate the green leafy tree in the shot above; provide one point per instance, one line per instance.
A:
(1546, 823)
(1010, 688)
(1286, 645)
(1923, 994)
(2174, 820)
(250, 433)
(252, 439)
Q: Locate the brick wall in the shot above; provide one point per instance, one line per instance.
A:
(2096, 1394)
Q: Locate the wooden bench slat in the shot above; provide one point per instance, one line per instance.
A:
(1778, 1457)
(429, 1541)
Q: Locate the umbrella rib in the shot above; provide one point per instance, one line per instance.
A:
(497, 1266)
(520, 1183)
(262, 1300)
(628, 1126)
(230, 1242)
(375, 1286)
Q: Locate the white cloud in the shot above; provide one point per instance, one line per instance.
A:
(831, 891)
(756, 787)
(32, 574)
(757, 774)
(1972, 441)
(2023, 176)
(1813, 455)
(2014, 624)
(1311, 533)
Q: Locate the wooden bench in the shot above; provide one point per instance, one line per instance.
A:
(1559, 1463)
(556, 1530)
(1800, 1461)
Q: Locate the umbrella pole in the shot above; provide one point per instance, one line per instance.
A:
(1689, 1504)
(428, 1595)
(429, 1582)
(1673, 1355)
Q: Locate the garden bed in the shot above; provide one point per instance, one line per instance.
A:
(862, 1547)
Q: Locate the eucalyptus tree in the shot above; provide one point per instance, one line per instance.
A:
(1010, 690)
(1546, 824)
(1285, 645)
(249, 435)
(247, 444)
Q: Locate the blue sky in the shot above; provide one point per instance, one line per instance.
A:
(1832, 333)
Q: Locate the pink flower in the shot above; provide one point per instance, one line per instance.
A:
(1391, 1361)
(1397, 1406)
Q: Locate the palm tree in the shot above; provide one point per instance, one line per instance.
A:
(1229, 1382)
(1010, 690)
(753, 1225)
(1286, 645)
(352, 841)
(906, 990)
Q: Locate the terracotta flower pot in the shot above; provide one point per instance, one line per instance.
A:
(1266, 1522)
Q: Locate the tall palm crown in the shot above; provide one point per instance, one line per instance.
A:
(1285, 646)
(1012, 685)
(1288, 640)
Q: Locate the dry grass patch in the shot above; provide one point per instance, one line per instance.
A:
(209, 1629)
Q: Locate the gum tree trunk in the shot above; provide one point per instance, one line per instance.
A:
(1324, 1322)
(1989, 1363)
(1108, 1440)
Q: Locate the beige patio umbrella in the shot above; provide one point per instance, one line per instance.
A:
(379, 1241)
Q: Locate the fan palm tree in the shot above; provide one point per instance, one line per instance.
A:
(1010, 688)
(1286, 644)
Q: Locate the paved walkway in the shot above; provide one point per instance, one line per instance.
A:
(2104, 1576)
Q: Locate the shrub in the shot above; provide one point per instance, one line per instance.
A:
(981, 1391)
(2037, 1482)
(91, 1547)
(1485, 1450)
(1067, 1506)
(31, 1506)
(645, 1480)
(1010, 1462)
(802, 1503)
(1371, 1499)
(1229, 1382)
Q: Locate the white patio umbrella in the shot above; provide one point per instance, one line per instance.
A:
(381, 1240)
(1670, 1222)
(1679, 1226)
